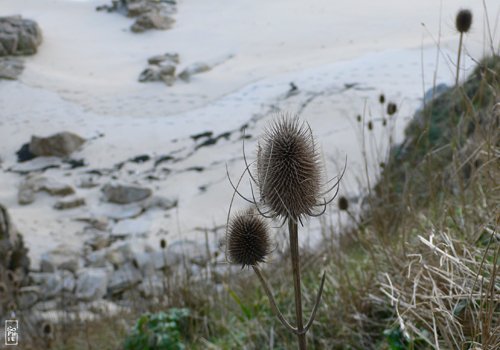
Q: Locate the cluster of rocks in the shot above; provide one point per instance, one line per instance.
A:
(163, 68)
(18, 36)
(14, 263)
(148, 14)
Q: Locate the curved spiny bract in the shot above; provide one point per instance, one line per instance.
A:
(288, 169)
(248, 240)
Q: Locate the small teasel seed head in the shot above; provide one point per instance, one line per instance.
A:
(463, 21)
(358, 118)
(384, 122)
(288, 169)
(370, 125)
(163, 243)
(343, 203)
(248, 241)
(381, 99)
(47, 329)
(392, 108)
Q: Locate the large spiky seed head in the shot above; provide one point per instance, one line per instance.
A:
(288, 169)
(463, 20)
(248, 241)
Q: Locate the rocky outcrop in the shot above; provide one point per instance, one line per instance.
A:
(19, 36)
(161, 68)
(61, 144)
(148, 14)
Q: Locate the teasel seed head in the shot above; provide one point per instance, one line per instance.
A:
(463, 20)
(391, 108)
(384, 122)
(248, 241)
(358, 118)
(381, 99)
(288, 169)
(370, 125)
(163, 243)
(343, 203)
(47, 329)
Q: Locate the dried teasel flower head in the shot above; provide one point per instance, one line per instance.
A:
(392, 108)
(289, 172)
(381, 99)
(47, 329)
(358, 118)
(343, 203)
(463, 21)
(163, 243)
(370, 125)
(248, 241)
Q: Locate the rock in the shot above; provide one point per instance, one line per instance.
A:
(152, 20)
(59, 145)
(10, 68)
(195, 68)
(13, 253)
(24, 153)
(148, 262)
(37, 164)
(91, 283)
(172, 58)
(87, 181)
(124, 194)
(100, 240)
(36, 183)
(69, 203)
(51, 284)
(165, 73)
(61, 258)
(160, 202)
(124, 278)
(19, 36)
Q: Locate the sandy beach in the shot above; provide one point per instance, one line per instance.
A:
(84, 80)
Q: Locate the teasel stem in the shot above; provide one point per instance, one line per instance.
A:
(272, 301)
(459, 56)
(294, 251)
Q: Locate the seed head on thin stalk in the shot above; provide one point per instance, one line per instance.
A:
(463, 21)
(248, 241)
(289, 172)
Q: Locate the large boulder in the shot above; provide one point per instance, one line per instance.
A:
(58, 145)
(19, 36)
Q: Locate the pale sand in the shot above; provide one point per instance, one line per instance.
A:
(84, 79)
